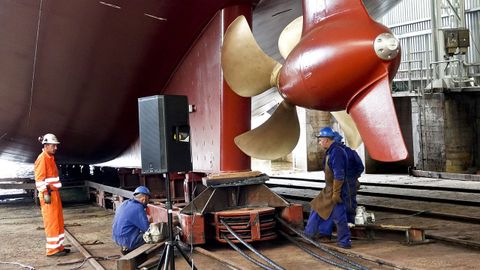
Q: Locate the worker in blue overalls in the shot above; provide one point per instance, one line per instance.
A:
(329, 207)
(354, 171)
(131, 221)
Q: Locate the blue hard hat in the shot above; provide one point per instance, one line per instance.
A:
(326, 132)
(142, 190)
(338, 138)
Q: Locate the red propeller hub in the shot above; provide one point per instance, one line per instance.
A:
(346, 60)
(338, 59)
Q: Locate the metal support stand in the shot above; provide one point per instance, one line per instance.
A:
(168, 256)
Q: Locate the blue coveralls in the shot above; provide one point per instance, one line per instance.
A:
(354, 170)
(129, 224)
(335, 166)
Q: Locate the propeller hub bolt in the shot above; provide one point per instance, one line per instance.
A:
(386, 46)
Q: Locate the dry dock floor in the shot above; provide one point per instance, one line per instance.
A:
(22, 242)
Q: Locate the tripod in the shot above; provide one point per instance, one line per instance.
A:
(168, 256)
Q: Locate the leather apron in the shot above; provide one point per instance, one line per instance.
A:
(323, 204)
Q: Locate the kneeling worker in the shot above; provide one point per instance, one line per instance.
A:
(131, 221)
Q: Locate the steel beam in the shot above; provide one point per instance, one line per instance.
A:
(109, 189)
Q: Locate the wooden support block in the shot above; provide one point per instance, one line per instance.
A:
(235, 179)
(413, 235)
(152, 262)
(233, 175)
(137, 256)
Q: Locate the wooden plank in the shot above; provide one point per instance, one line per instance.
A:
(233, 175)
(137, 256)
(150, 263)
(86, 254)
(261, 179)
(412, 235)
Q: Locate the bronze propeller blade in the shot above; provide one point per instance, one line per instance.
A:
(275, 138)
(246, 68)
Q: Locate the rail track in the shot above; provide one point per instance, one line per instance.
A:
(452, 195)
(457, 205)
(326, 256)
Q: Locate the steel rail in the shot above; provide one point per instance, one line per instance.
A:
(325, 260)
(245, 255)
(388, 195)
(453, 189)
(272, 263)
(393, 209)
(425, 213)
(86, 254)
(322, 247)
(418, 198)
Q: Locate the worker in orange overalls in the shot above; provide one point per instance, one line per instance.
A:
(48, 183)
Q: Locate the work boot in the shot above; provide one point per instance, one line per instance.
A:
(58, 254)
(344, 246)
(67, 250)
(124, 251)
(324, 239)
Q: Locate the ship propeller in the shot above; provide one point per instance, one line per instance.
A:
(249, 72)
(329, 67)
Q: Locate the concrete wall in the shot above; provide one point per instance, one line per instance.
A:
(460, 133)
(314, 121)
(448, 130)
(432, 132)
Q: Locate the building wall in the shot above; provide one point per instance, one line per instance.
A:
(413, 28)
(448, 134)
(445, 124)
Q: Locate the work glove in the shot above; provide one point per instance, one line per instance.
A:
(156, 232)
(337, 188)
(46, 197)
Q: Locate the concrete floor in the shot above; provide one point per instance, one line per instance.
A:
(22, 241)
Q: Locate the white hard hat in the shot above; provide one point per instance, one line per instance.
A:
(49, 138)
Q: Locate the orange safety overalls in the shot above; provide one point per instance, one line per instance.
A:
(46, 175)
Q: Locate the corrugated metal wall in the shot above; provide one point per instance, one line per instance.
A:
(410, 22)
(473, 23)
